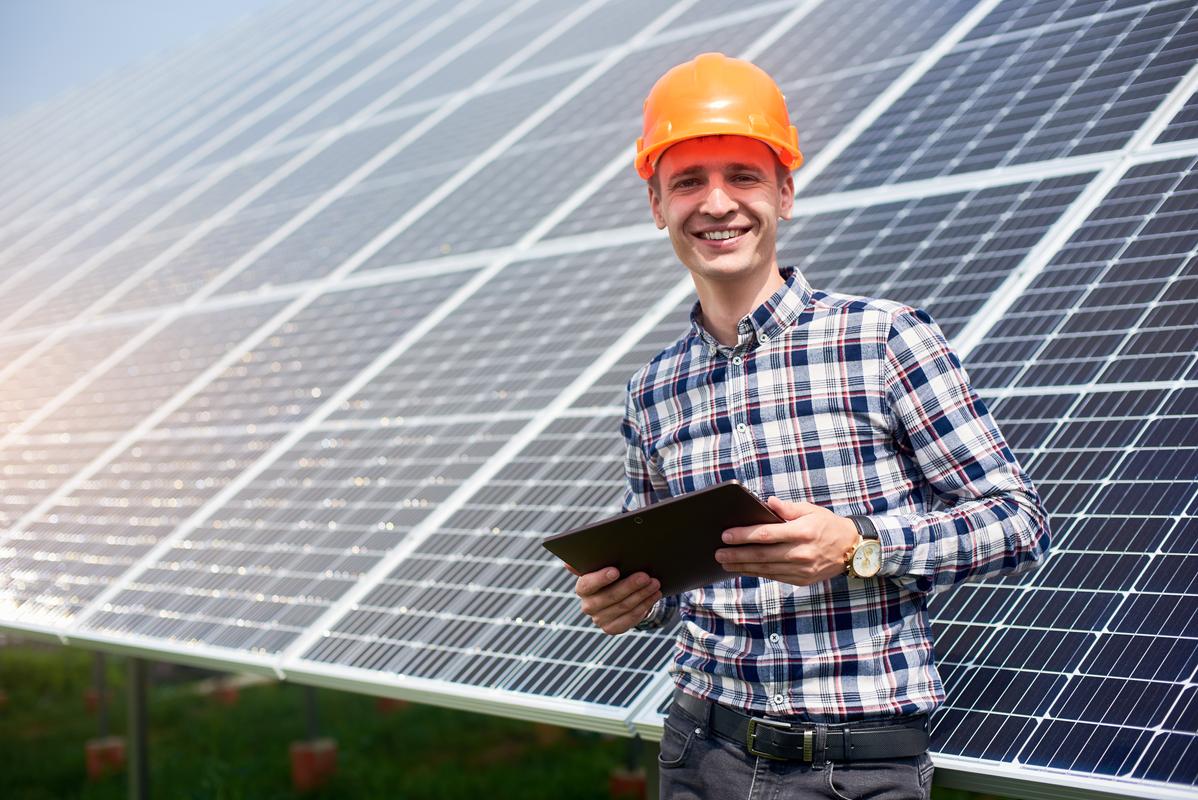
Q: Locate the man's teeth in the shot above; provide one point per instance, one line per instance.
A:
(719, 234)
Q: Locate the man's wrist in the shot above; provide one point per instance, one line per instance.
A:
(865, 526)
(864, 558)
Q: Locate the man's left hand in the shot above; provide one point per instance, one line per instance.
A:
(807, 548)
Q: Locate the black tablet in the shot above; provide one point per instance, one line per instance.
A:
(674, 540)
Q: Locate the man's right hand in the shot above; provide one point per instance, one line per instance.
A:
(616, 604)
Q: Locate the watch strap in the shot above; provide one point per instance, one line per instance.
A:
(865, 526)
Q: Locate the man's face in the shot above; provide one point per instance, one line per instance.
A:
(720, 199)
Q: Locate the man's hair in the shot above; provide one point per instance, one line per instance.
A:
(780, 174)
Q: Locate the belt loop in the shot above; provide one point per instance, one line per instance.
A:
(709, 712)
(847, 744)
(821, 747)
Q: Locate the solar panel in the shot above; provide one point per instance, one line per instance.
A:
(1094, 81)
(306, 341)
(1184, 125)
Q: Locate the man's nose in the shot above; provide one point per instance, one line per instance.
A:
(717, 202)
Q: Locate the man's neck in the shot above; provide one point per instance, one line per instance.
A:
(726, 303)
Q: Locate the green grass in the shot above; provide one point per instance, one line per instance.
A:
(202, 749)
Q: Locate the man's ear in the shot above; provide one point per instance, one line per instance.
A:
(787, 191)
(655, 207)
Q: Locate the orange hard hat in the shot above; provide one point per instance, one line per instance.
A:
(713, 95)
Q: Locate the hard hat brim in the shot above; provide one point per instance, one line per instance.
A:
(787, 153)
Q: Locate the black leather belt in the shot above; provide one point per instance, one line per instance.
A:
(761, 736)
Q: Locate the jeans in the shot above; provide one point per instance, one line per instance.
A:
(699, 764)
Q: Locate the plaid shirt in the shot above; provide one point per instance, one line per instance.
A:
(861, 406)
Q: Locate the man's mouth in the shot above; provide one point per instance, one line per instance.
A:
(720, 235)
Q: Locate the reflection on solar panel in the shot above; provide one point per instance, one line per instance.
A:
(301, 356)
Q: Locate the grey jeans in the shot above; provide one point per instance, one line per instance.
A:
(699, 764)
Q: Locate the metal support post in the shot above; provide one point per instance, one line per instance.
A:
(139, 762)
(311, 713)
(100, 682)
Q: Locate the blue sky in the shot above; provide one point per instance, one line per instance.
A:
(48, 47)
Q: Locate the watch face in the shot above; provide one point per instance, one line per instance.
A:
(867, 559)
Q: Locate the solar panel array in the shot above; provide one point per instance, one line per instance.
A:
(310, 332)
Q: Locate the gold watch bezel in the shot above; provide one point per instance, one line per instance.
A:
(851, 555)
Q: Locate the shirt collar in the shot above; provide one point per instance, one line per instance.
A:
(766, 321)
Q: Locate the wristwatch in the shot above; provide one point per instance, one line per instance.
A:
(864, 558)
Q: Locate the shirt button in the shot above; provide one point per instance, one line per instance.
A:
(778, 699)
(742, 427)
(763, 338)
(774, 638)
(736, 360)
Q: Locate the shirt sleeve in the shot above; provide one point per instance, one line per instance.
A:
(989, 519)
(643, 486)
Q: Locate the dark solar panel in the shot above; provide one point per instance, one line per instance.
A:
(1049, 668)
(1184, 125)
(1049, 92)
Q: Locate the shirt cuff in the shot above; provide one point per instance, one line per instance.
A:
(897, 541)
(662, 612)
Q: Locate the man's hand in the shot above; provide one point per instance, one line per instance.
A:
(807, 548)
(616, 605)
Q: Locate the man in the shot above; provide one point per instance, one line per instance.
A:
(808, 672)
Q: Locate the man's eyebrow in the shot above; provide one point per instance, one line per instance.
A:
(733, 166)
(737, 166)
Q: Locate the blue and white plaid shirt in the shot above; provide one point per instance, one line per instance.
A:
(858, 405)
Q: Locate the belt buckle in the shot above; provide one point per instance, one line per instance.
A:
(751, 738)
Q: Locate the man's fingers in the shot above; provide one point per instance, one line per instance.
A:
(790, 509)
(614, 594)
(618, 619)
(592, 582)
(758, 534)
(752, 554)
(633, 600)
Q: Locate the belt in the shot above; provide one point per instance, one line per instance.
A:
(810, 742)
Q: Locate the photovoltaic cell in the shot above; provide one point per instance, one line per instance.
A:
(364, 51)
(1184, 125)
(1118, 479)
(66, 298)
(516, 343)
(201, 262)
(309, 356)
(34, 467)
(620, 93)
(74, 550)
(1115, 467)
(138, 384)
(261, 570)
(606, 27)
(515, 35)
(1117, 302)
(39, 381)
(856, 34)
(500, 204)
(1009, 18)
(480, 601)
(1066, 90)
(946, 253)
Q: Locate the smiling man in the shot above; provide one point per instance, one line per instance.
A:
(809, 672)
